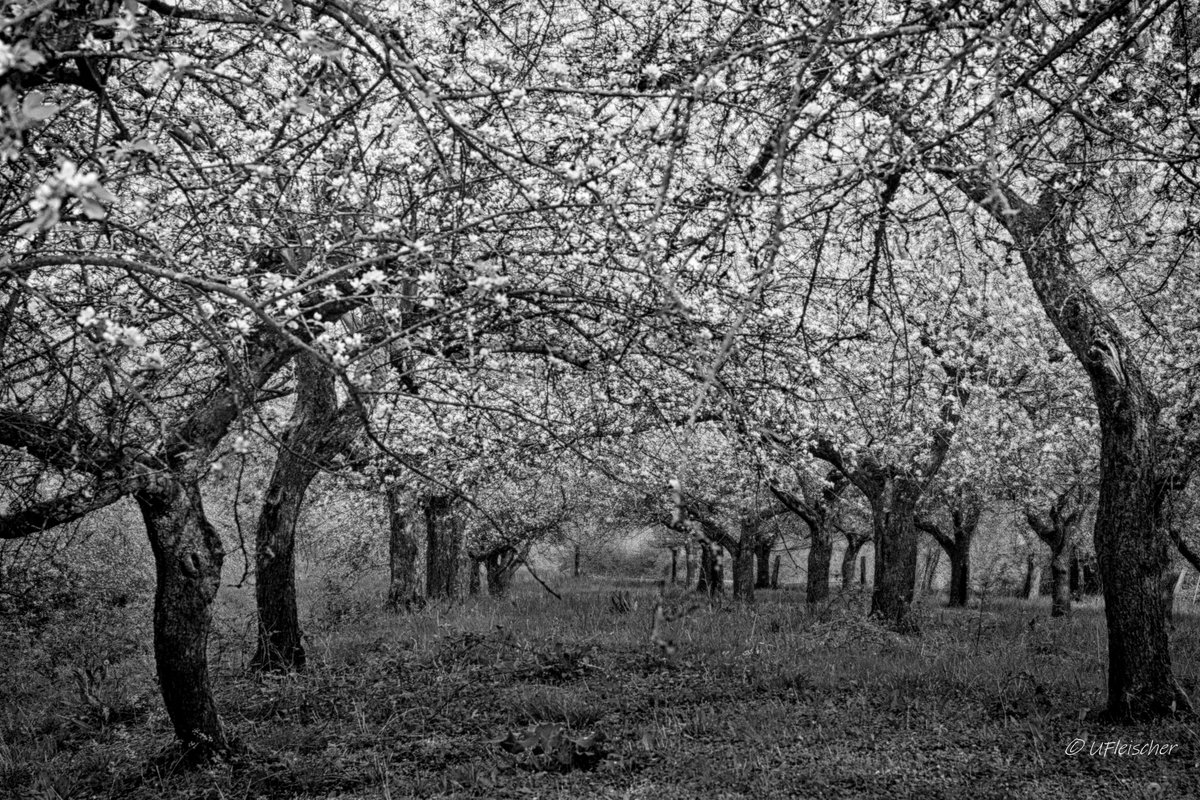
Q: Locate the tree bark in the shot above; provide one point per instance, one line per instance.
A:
(501, 564)
(743, 568)
(188, 556)
(443, 548)
(762, 569)
(403, 550)
(687, 564)
(896, 557)
(279, 637)
(710, 581)
(933, 559)
(474, 582)
(820, 556)
(960, 576)
(1172, 582)
(317, 432)
(1033, 578)
(1060, 579)
(849, 556)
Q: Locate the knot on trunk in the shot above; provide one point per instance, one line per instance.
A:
(190, 564)
(1105, 354)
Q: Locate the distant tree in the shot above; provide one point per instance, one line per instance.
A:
(816, 504)
(964, 506)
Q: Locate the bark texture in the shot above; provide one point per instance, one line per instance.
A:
(188, 556)
(762, 565)
(854, 545)
(404, 517)
(317, 432)
(710, 580)
(501, 565)
(1033, 578)
(474, 582)
(896, 557)
(743, 566)
(443, 548)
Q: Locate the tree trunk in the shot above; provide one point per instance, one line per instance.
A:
(577, 564)
(501, 565)
(1060, 579)
(743, 569)
(443, 548)
(687, 564)
(1131, 543)
(820, 555)
(317, 432)
(896, 558)
(775, 573)
(708, 582)
(762, 569)
(474, 583)
(279, 637)
(403, 550)
(960, 574)
(1091, 583)
(187, 557)
(849, 556)
(1172, 582)
(1033, 578)
(933, 558)
(674, 565)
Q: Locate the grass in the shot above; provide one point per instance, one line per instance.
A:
(532, 697)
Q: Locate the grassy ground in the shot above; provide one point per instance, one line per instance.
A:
(464, 701)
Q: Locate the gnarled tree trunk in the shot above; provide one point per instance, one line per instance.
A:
(1056, 527)
(443, 548)
(1131, 542)
(474, 582)
(316, 434)
(710, 581)
(403, 549)
(762, 566)
(743, 567)
(501, 564)
(933, 559)
(1060, 579)
(1172, 584)
(1033, 578)
(816, 508)
(849, 557)
(820, 556)
(188, 556)
(896, 557)
(965, 507)
(960, 575)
